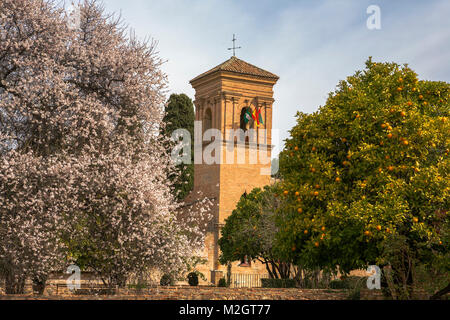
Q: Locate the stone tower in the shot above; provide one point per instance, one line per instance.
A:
(222, 95)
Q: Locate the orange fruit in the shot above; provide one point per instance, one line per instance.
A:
(299, 210)
(388, 230)
(305, 232)
(338, 179)
(399, 89)
(409, 103)
(344, 140)
(389, 135)
(415, 219)
(313, 170)
(323, 228)
(316, 193)
(286, 192)
(316, 244)
(420, 97)
(296, 148)
(383, 125)
(367, 232)
(349, 156)
(297, 193)
(317, 186)
(379, 228)
(403, 114)
(386, 157)
(313, 149)
(400, 79)
(405, 142)
(390, 168)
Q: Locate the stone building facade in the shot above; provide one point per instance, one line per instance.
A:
(222, 95)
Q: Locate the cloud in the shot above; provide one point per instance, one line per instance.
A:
(311, 45)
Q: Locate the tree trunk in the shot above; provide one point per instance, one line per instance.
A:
(39, 285)
(118, 280)
(266, 262)
(440, 293)
(229, 274)
(14, 284)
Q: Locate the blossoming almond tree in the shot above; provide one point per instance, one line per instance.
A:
(83, 170)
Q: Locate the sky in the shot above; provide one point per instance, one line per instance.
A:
(311, 45)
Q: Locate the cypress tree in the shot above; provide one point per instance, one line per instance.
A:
(180, 115)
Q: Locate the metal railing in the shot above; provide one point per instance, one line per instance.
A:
(241, 280)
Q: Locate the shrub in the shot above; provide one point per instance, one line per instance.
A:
(222, 282)
(278, 283)
(192, 279)
(167, 280)
(338, 284)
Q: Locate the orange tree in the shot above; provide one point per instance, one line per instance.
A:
(250, 232)
(368, 167)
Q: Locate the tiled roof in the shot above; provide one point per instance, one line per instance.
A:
(239, 66)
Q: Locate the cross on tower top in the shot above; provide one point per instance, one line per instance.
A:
(234, 46)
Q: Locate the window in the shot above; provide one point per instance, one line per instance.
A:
(207, 121)
(245, 262)
(245, 124)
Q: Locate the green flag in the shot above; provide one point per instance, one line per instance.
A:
(247, 115)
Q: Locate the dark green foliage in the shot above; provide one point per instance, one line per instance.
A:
(338, 284)
(278, 283)
(193, 279)
(222, 283)
(180, 115)
(350, 282)
(167, 280)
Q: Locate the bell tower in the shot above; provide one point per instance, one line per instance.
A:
(236, 99)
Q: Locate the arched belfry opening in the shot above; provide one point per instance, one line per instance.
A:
(246, 123)
(246, 120)
(207, 120)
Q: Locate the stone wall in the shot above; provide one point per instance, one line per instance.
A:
(206, 293)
